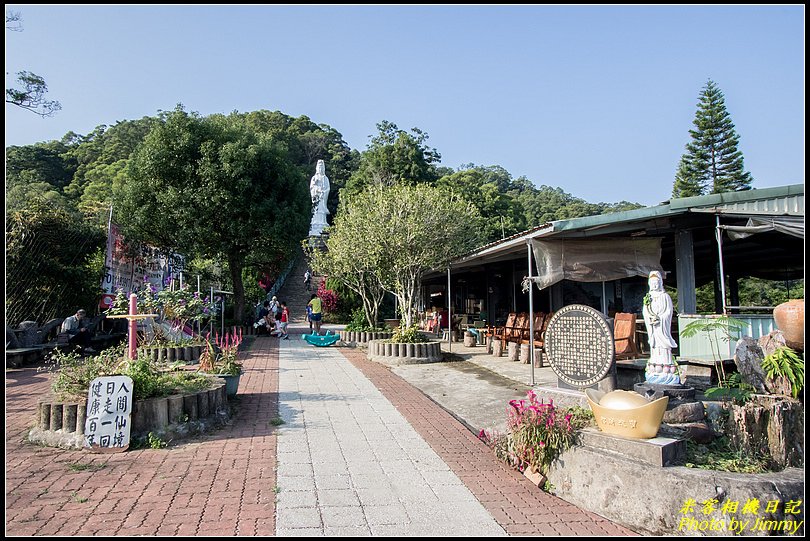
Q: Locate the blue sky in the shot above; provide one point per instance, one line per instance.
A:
(595, 100)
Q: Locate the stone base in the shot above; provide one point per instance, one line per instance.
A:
(646, 498)
(656, 391)
(680, 411)
(658, 451)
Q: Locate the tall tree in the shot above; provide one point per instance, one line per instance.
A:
(402, 232)
(395, 156)
(712, 162)
(215, 187)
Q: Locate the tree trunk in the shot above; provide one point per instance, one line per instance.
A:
(238, 289)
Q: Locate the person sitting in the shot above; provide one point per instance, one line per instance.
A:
(264, 318)
(76, 327)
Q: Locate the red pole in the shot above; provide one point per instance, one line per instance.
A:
(133, 327)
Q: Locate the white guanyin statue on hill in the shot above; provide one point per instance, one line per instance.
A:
(319, 191)
(657, 311)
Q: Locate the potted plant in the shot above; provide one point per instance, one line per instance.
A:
(220, 359)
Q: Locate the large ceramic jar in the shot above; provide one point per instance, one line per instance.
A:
(789, 317)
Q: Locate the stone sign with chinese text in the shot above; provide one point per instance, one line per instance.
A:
(579, 346)
(109, 405)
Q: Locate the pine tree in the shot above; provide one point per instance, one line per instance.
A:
(712, 162)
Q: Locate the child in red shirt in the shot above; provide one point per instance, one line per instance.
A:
(285, 318)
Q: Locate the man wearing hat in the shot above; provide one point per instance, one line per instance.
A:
(76, 327)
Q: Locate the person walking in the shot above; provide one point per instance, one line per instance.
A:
(315, 304)
(285, 319)
(307, 279)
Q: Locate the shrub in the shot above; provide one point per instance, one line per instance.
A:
(74, 373)
(537, 433)
(407, 334)
(784, 362)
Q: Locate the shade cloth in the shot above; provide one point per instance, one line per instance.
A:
(596, 260)
(790, 225)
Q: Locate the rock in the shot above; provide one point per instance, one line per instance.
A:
(716, 415)
(771, 342)
(11, 339)
(768, 344)
(748, 358)
(699, 432)
(771, 425)
(683, 412)
(29, 337)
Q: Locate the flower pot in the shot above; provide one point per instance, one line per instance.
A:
(789, 317)
(231, 384)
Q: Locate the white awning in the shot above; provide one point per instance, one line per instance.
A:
(596, 260)
(789, 225)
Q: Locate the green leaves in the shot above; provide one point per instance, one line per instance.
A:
(784, 362)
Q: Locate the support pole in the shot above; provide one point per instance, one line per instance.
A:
(719, 235)
(449, 314)
(133, 327)
(531, 311)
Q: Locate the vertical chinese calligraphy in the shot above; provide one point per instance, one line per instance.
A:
(109, 405)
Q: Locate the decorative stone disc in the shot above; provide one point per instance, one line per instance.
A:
(579, 345)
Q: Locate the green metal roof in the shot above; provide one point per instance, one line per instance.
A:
(786, 199)
(777, 201)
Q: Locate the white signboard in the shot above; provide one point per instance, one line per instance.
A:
(109, 405)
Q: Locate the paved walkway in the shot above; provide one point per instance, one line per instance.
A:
(362, 453)
(350, 464)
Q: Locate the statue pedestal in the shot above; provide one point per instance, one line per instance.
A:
(318, 241)
(654, 391)
(682, 406)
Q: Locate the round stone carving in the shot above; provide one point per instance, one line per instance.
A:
(579, 345)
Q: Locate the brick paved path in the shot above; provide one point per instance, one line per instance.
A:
(518, 506)
(220, 484)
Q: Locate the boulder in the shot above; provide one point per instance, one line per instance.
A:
(748, 358)
(30, 336)
(771, 342)
(771, 425)
(11, 339)
(683, 412)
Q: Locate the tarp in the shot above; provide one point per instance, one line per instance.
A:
(596, 260)
(789, 225)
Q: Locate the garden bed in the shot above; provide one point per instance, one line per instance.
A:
(61, 424)
(357, 338)
(406, 353)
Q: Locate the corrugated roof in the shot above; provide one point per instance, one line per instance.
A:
(771, 201)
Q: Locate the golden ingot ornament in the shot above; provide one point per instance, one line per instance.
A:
(626, 414)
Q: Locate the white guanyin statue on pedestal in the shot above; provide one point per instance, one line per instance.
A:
(657, 312)
(319, 191)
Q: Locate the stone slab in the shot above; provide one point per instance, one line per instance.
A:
(657, 451)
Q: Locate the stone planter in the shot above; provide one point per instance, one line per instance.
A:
(61, 424)
(361, 338)
(388, 353)
(789, 317)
